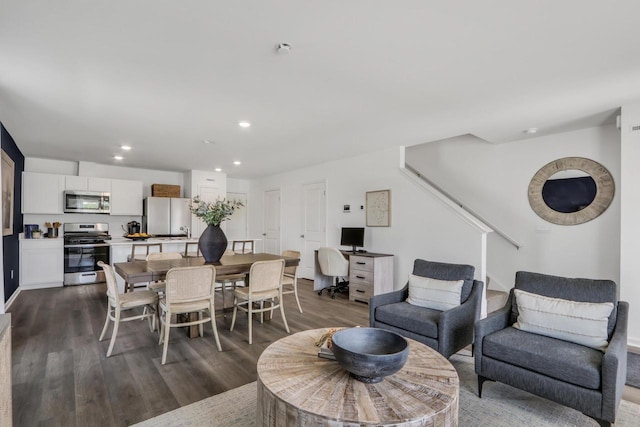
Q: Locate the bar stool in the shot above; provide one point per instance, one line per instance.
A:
(242, 246)
(142, 255)
(192, 254)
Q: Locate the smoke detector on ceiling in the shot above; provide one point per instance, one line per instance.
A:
(283, 48)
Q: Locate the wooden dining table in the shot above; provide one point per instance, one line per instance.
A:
(150, 271)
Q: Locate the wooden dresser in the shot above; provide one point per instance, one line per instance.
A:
(369, 274)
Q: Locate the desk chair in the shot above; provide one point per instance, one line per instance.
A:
(242, 246)
(334, 264)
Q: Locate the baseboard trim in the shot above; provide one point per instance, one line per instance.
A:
(12, 299)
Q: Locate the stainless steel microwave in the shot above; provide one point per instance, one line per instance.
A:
(86, 202)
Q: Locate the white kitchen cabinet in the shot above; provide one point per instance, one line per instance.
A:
(87, 183)
(42, 193)
(41, 263)
(126, 197)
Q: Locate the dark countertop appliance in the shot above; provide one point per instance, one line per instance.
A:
(84, 245)
(133, 227)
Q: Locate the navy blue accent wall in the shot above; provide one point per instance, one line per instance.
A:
(11, 260)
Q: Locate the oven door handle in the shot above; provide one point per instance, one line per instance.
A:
(90, 245)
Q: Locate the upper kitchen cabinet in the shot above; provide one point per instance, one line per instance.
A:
(87, 183)
(42, 193)
(126, 197)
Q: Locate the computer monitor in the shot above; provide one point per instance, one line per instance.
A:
(352, 236)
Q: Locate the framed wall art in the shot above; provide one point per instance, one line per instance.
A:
(379, 208)
(8, 168)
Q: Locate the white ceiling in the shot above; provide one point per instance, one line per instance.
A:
(78, 78)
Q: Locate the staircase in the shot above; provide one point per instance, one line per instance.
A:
(495, 300)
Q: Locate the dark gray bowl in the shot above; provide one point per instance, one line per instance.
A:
(370, 354)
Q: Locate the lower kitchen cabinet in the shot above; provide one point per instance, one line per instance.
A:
(41, 263)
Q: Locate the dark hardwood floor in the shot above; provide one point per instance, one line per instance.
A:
(61, 376)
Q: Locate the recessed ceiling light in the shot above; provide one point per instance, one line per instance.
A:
(125, 147)
(207, 141)
(118, 157)
(531, 131)
(218, 169)
(237, 163)
(244, 124)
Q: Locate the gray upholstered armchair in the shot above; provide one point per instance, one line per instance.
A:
(588, 379)
(446, 331)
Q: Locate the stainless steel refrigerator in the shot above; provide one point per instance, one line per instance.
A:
(165, 216)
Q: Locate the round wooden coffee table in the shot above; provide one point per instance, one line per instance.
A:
(298, 388)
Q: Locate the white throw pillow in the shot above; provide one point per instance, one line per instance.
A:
(583, 323)
(433, 293)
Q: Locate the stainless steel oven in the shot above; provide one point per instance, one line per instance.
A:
(84, 246)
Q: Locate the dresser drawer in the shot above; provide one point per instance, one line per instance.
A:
(361, 276)
(360, 292)
(361, 263)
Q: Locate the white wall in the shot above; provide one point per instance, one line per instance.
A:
(630, 225)
(493, 181)
(421, 226)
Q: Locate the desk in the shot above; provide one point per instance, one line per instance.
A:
(298, 388)
(369, 274)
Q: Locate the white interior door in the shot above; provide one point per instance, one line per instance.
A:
(314, 235)
(271, 232)
(207, 194)
(237, 223)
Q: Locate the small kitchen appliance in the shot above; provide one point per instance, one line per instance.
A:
(86, 202)
(133, 227)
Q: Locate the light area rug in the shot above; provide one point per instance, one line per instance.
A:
(500, 406)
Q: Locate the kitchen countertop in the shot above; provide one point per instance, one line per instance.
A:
(116, 241)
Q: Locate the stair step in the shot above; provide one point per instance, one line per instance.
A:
(495, 300)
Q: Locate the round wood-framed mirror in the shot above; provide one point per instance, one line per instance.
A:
(582, 208)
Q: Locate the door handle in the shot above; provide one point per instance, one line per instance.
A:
(302, 236)
(264, 234)
(361, 277)
(90, 274)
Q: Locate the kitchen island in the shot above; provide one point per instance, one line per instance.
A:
(121, 249)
